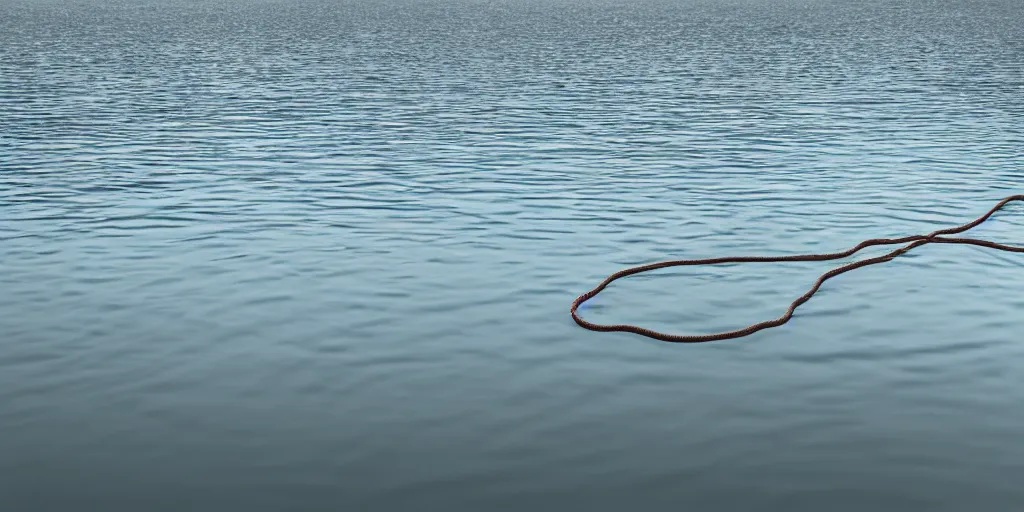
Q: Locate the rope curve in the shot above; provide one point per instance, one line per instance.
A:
(912, 241)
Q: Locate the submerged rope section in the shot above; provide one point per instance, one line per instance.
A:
(911, 241)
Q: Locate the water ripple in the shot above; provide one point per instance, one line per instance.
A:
(325, 250)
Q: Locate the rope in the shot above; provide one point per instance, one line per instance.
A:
(912, 241)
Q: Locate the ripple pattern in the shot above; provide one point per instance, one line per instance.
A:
(320, 253)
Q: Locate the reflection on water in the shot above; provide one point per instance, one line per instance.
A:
(321, 254)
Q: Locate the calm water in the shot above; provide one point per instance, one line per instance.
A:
(317, 255)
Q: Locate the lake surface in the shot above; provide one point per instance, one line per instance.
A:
(319, 255)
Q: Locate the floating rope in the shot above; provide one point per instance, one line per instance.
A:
(912, 241)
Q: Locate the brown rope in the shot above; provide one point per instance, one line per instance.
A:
(912, 241)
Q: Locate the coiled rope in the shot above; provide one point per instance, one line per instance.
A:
(912, 241)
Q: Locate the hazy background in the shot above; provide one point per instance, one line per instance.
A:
(316, 255)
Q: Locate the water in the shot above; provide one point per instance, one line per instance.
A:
(318, 255)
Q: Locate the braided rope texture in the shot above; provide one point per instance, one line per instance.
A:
(911, 241)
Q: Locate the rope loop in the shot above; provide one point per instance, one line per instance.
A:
(911, 241)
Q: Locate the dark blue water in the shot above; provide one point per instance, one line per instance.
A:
(319, 255)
